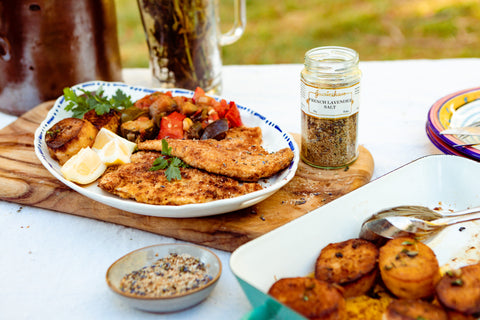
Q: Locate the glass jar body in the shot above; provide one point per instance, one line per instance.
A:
(185, 41)
(330, 90)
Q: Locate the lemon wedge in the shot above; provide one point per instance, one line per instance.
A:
(84, 167)
(114, 152)
(113, 149)
(104, 136)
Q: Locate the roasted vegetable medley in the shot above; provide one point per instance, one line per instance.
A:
(160, 114)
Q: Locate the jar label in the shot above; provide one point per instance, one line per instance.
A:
(330, 103)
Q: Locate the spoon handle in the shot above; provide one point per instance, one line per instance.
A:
(461, 212)
(468, 215)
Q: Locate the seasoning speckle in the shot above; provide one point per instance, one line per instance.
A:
(300, 202)
(329, 142)
(173, 275)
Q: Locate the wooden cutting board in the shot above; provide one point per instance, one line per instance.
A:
(24, 180)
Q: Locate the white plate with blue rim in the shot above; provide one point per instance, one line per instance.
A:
(274, 139)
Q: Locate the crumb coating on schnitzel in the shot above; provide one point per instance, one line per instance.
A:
(135, 181)
(239, 155)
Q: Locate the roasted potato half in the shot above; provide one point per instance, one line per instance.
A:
(455, 315)
(409, 268)
(352, 264)
(65, 138)
(110, 120)
(369, 306)
(459, 290)
(406, 309)
(310, 297)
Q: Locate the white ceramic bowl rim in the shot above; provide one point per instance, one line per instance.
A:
(126, 294)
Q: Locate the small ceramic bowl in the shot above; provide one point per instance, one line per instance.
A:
(140, 258)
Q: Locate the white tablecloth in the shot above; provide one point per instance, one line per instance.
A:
(53, 265)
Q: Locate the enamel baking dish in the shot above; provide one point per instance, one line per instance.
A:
(445, 181)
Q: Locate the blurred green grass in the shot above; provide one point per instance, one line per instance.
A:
(282, 31)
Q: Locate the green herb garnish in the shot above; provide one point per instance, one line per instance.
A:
(389, 267)
(457, 282)
(81, 104)
(410, 253)
(171, 164)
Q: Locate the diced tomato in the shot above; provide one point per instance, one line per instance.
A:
(171, 126)
(169, 93)
(233, 116)
(213, 116)
(199, 92)
(221, 108)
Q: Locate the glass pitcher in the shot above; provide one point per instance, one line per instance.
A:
(46, 45)
(184, 41)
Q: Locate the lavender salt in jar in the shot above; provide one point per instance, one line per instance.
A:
(330, 91)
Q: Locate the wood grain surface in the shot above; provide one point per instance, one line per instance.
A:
(24, 180)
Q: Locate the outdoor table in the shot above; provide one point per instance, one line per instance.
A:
(53, 265)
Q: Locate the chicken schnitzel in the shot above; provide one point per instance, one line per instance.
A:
(135, 181)
(239, 156)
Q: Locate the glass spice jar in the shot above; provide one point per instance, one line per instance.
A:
(330, 92)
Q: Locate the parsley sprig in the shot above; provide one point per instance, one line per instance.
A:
(167, 161)
(81, 104)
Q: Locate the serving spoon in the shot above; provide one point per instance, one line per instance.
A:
(411, 221)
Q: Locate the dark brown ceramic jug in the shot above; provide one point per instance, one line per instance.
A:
(46, 45)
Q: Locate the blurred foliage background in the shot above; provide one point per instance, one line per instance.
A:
(281, 31)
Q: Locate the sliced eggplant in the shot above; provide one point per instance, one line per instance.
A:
(161, 107)
(195, 131)
(215, 130)
(133, 113)
(187, 108)
(140, 129)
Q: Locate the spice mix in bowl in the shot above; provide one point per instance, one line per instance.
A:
(165, 277)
